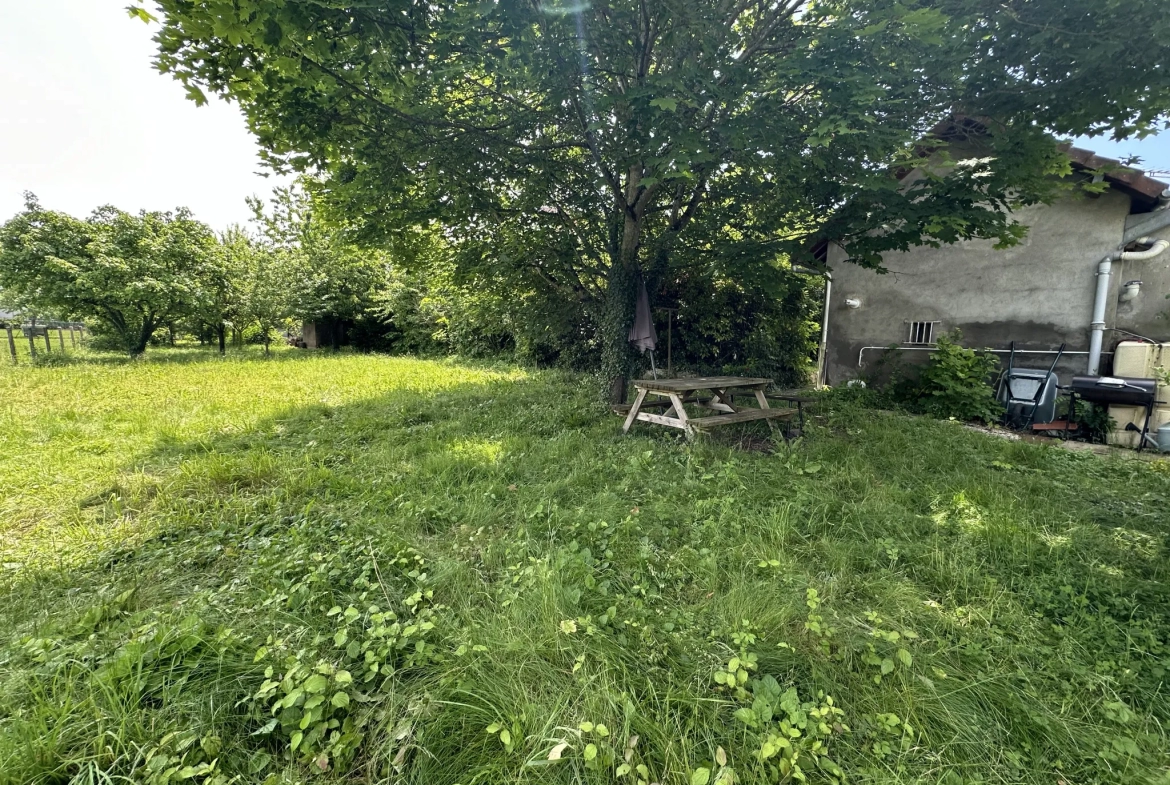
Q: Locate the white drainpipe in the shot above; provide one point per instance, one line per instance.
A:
(824, 347)
(1104, 272)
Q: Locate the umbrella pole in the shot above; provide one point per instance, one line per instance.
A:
(652, 368)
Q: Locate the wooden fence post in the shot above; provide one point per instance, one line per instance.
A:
(48, 343)
(72, 337)
(11, 342)
(32, 345)
(61, 339)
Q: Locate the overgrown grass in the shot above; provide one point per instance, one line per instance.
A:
(465, 574)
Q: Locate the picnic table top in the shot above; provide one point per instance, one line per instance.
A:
(700, 383)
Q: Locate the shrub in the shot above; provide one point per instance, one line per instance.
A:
(957, 383)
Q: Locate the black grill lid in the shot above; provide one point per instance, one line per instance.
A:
(1115, 389)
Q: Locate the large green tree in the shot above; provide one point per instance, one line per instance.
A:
(130, 273)
(587, 142)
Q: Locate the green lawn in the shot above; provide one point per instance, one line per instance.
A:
(374, 569)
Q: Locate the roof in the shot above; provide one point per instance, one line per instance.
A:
(1144, 190)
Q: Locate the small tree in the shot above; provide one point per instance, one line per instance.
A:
(957, 382)
(130, 273)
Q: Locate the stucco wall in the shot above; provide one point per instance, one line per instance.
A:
(1038, 293)
(1149, 314)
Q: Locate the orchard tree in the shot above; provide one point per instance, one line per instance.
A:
(219, 297)
(130, 273)
(265, 290)
(326, 277)
(590, 142)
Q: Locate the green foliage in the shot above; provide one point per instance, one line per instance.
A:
(504, 590)
(1095, 419)
(569, 147)
(725, 328)
(325, 278)
(957, 382)
(794, 736)
(130, 274)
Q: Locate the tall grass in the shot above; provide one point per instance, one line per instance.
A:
(978, 610)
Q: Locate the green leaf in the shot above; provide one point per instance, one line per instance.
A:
(904, 657)
(195, 94)
(315, 683)
(887, 666)
(665, 104)
(700, 776)
(138, 12)
(746, 716)
(340, 699)
(295, 741)
(590, 751)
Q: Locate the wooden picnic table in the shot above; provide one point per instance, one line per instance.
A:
(714, 393)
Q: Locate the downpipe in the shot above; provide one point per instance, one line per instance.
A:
(1101, 300)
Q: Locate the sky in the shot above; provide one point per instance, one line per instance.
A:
(85, 120)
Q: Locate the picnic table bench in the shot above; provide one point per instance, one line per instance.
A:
(715, 393)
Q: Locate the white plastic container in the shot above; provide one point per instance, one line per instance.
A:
(1123, 415)
(1135, 359)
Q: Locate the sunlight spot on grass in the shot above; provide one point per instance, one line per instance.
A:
(959, 513)
(482, 451)
(1137, 542)
(1055, 540)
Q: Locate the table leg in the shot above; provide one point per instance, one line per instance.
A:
(680, 412)
(633, 414)
(763, 399)
(670, 411)
(720, 401)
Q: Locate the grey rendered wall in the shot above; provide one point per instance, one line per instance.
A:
(1038, 293)
(1149, 314)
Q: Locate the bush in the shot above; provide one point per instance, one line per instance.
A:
(957, 383)
(723, 327)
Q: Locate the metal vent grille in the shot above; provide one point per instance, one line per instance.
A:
(921, 333)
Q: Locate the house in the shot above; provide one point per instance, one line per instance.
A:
(1053, 288)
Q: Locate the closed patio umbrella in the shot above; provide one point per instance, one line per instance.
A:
(642, 333)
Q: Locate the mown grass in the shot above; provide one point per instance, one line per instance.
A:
(453, 570)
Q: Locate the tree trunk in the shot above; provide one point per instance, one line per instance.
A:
(621, 293)
(221, 333)
(140, 342)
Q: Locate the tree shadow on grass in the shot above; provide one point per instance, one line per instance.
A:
(492, 482)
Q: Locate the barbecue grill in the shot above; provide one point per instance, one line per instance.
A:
(1115, 391)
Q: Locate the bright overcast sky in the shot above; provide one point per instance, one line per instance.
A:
(85, 120)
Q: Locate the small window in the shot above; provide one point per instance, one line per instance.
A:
(921, 333)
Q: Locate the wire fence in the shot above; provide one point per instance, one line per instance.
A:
(27, 342)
